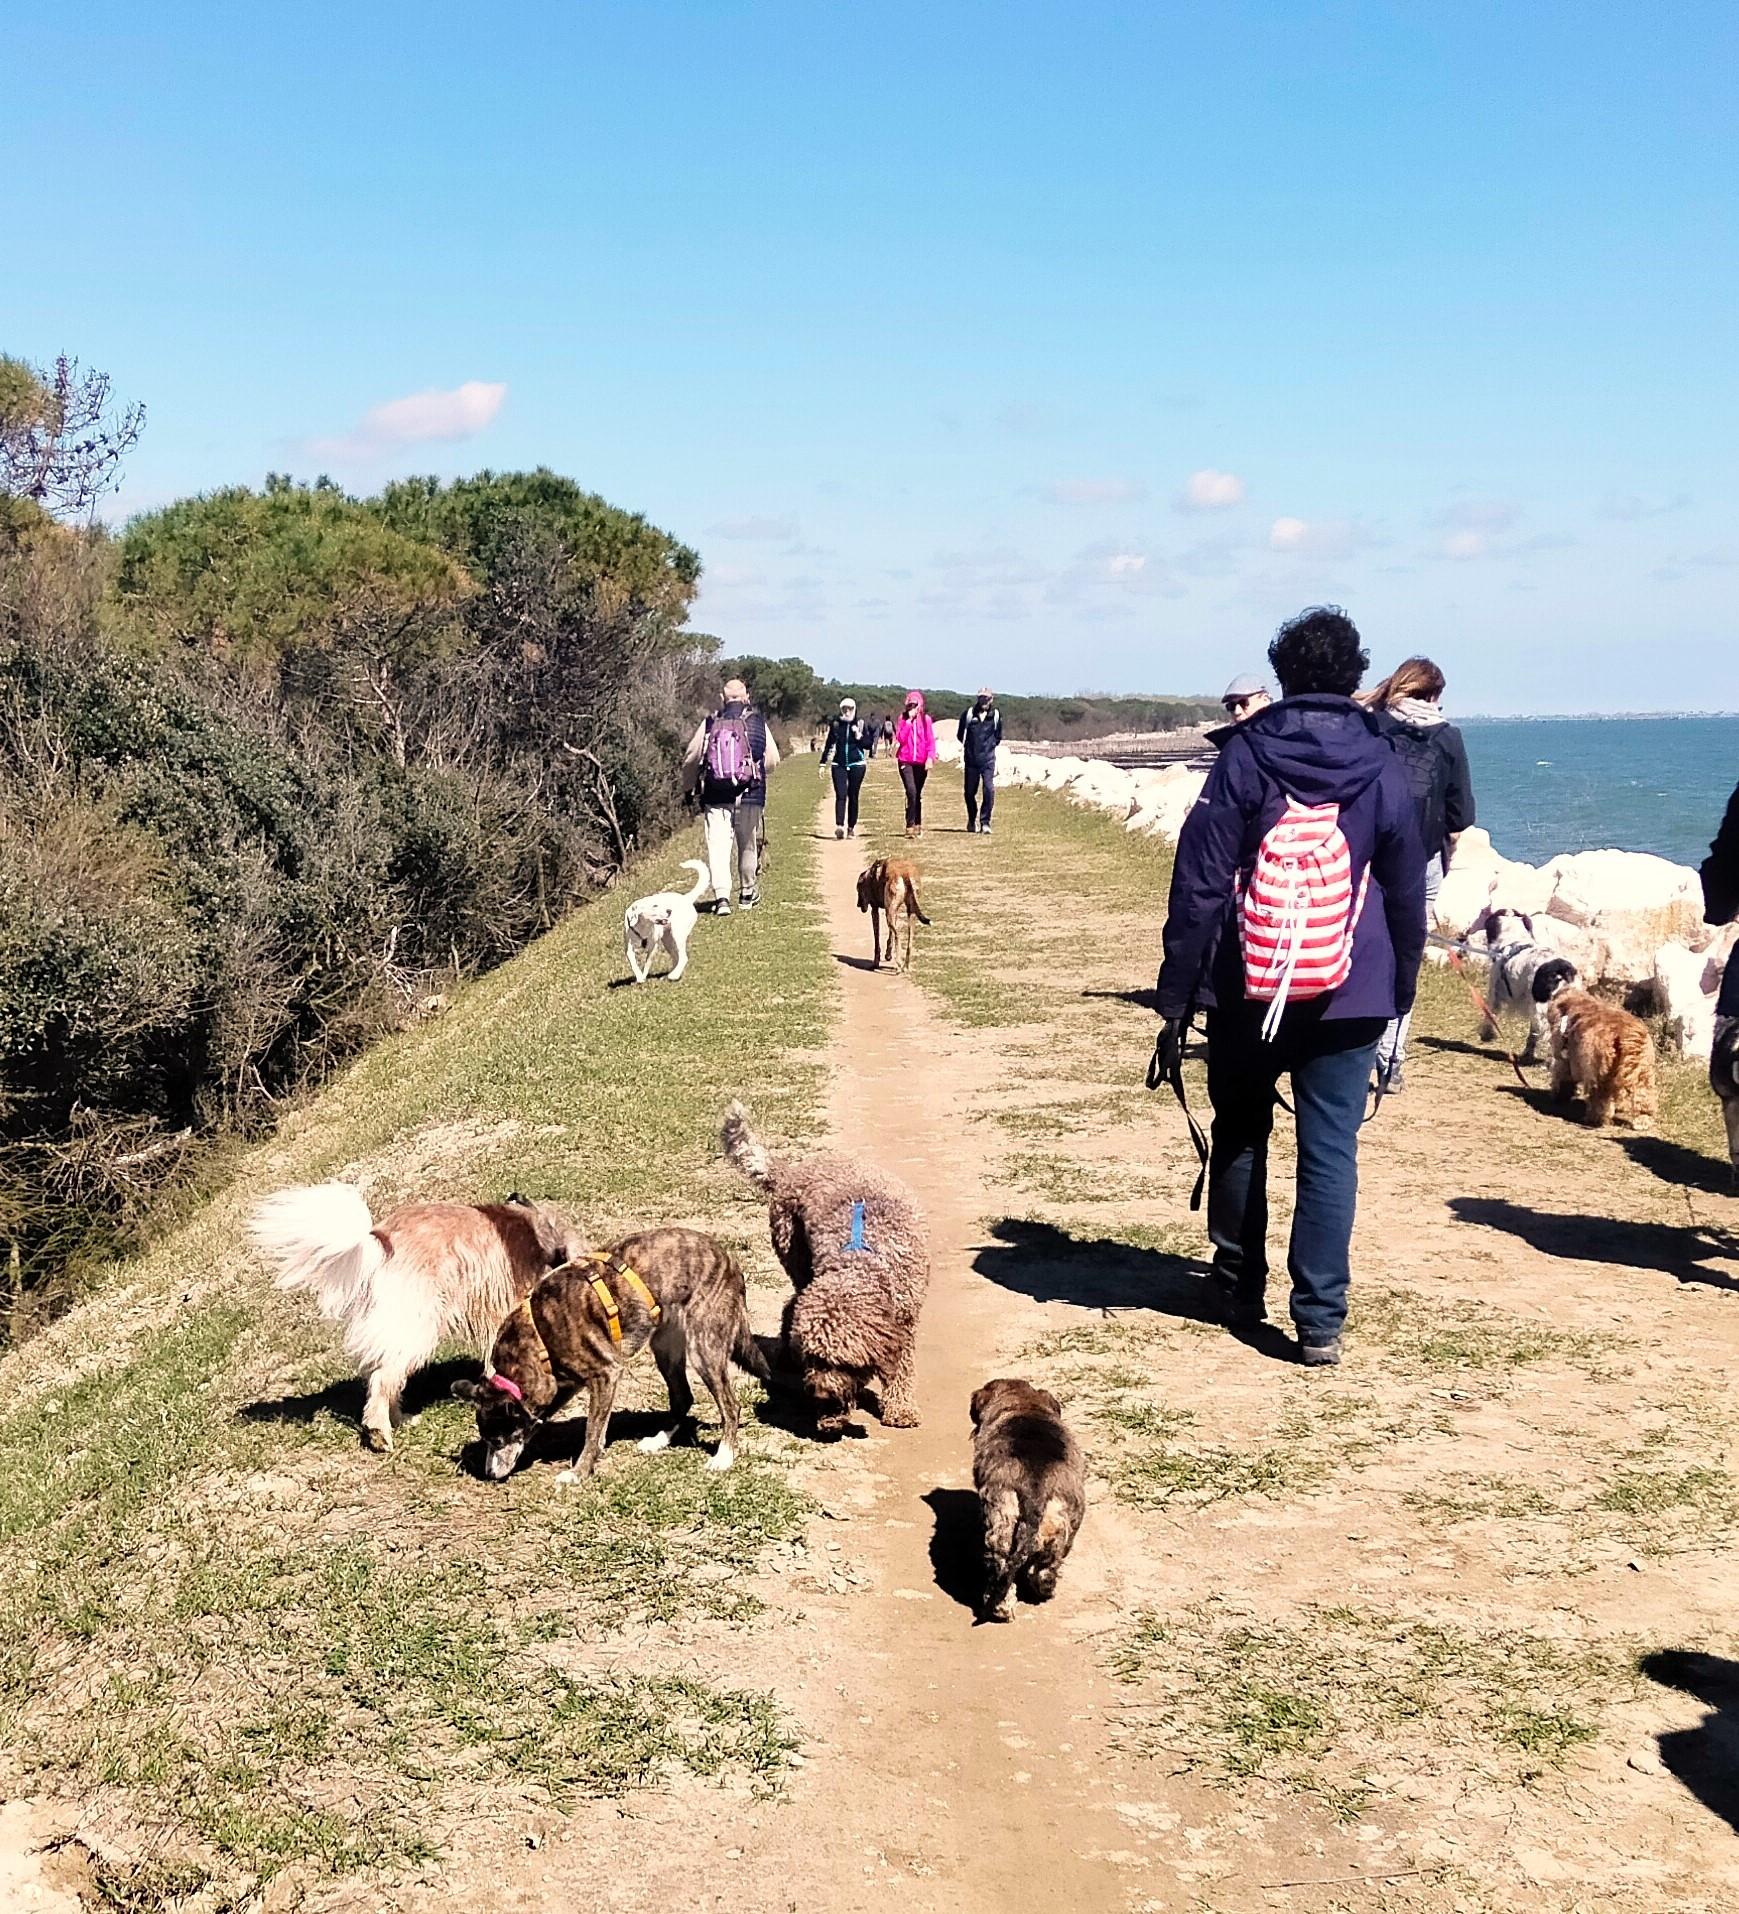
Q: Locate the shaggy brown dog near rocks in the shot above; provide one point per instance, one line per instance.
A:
(1032, 1490)
(854, 1244)
(1604, 1055)
(889, 888)
(677, 1290)
(424, 1273)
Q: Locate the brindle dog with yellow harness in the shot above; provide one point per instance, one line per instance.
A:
(676, 1291)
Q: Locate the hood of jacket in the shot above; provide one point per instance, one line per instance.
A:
(917, 698)
(1319, 748)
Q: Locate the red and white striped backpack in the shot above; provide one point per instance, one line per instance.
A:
(1297, 914)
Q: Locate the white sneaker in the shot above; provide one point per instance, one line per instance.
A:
(722, 908)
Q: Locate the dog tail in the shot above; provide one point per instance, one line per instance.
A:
(743, 1148)
(321, 1237)
(912, 900)
(747, 1354)
(702, 877)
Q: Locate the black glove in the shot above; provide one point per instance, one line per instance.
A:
(1167, 1052)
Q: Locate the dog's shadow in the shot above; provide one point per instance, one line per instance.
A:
(1677, 1163)
(957, 1546)
(856, 963)
(341, 1400)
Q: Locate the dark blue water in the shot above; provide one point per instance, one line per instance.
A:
(1547, 785)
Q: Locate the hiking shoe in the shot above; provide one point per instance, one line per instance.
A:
(984, 830)
(1243, 1308)
(1393, 1083)
(722, 908)
(851, 830)
(839, 830)
(1320, 1355)
(748, 900)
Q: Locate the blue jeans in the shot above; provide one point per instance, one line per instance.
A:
(976, 775)
(1329, 1061)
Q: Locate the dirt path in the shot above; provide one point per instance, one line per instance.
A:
(988, 1741)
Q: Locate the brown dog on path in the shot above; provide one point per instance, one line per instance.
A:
(677, 1290)
(889, 888)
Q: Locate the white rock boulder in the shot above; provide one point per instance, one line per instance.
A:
(1635, 901)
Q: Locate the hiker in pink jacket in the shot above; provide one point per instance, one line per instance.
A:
(915, 748)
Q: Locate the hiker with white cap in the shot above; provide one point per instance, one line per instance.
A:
(847, 749)
(727, 761)
(980, 732)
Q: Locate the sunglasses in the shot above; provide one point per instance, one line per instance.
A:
(1237, 704)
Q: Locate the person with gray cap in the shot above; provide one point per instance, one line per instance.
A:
(1241, 699)
(727, 763)
(980, 732)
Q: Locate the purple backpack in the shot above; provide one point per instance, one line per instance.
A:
(730, 754)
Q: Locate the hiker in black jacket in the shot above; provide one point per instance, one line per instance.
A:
(1720, 874)
(980, 732)
(847, 750)
(1407, 706)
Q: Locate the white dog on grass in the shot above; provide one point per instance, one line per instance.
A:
(667, 918)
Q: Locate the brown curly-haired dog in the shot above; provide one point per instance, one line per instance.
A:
(854, 1244)
(1602, 1054)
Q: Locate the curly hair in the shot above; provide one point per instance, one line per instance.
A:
(1319, 650)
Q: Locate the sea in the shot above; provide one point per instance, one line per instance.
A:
(1545, 785)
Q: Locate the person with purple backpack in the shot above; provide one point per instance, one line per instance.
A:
(1297, 923)
(726, 765)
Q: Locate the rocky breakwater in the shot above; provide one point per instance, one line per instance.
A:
(1623, 918)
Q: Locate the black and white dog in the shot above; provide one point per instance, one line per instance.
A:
(1525, 976)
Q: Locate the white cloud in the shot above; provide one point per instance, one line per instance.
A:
(1321, 537)
(1465, 545)
(1125, 564)
(1630, 505)
(422, 418)
(1104, 491)
(753, 525)
(1210, 491)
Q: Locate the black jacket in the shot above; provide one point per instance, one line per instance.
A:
(980, 732)
(1435, 760)
(1720, 871)
(847, 743)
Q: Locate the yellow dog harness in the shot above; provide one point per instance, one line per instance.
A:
(606, 1297)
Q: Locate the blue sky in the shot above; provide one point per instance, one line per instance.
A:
(1061, 347)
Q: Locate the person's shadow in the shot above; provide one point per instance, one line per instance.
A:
(1704, 1758)
(1678, 1250)
(1048, 1264)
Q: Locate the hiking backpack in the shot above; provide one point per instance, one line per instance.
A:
(730, 754)
(1298, 911)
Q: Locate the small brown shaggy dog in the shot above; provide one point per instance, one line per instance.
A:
(1602, 1054)
(889, 888)
(675, 1289)
(854, 1244)
(402, 1286)
(1032, 1489)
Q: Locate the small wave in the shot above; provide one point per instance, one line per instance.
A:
(1542, 764)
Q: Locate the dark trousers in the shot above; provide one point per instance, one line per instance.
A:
(1727, 1004)
(1329, 1062)
(912, 776)
(976, 775)
(846, 785)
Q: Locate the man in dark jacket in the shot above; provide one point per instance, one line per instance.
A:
(1720, 874)
(980, 732)
(1318, 747)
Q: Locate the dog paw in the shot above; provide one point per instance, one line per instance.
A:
(654, 1444)
(379, 1440)
(721, 1458)
(1003, 1612)
(903, 1417)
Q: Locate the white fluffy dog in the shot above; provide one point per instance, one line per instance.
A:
(1525, 975)
(667, 918)
(403, 1285)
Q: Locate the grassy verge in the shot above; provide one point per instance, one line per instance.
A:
(228, 1625)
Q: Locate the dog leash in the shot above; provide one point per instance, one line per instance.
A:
(1460, 968)
(1173, 1077)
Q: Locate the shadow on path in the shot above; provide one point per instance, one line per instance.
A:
(1677, 1250)
(957, 1545)
(1705, 1758)
(1677, 1163)
(342, 1400)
